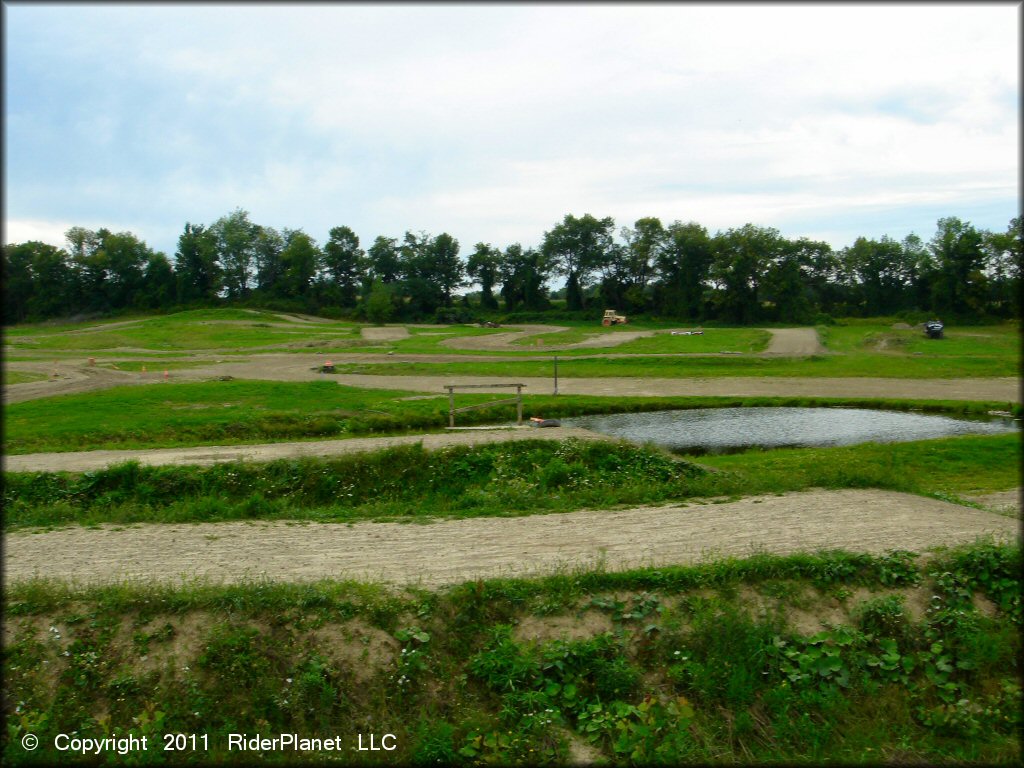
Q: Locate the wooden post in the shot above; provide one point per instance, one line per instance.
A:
(451, 406)
(556, 374)
(519, 403)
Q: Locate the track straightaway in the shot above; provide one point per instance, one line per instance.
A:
(452, 551)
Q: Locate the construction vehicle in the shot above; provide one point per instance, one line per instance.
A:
(611, 318)
(933, 329)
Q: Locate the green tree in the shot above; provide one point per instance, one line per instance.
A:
(483, 266)
(524, 273)
(959, 284)
(741, 260)
(126, 260)
(38, 282)
(236, 248)
(1004, 257)
(444, 266)
(644, 245)
(301, 261)
(788, 283)
(380, 305)
(158, 283)
(270, 269)
(385, 263)
(90, 267)
(879, 274)
(197, 269)
(344, 265)
(18, 282)
(684, 262)
(577, 248)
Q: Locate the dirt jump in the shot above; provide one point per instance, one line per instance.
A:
(452, 551)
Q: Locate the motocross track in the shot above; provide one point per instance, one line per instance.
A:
(455, 550)
(452, 551)
(70, 377)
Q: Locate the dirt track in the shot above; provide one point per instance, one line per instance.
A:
(75, 378)
(85, 461)
(458, 550)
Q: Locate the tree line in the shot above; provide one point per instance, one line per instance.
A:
(744, 275)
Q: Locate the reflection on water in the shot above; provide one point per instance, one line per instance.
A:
(725, 430)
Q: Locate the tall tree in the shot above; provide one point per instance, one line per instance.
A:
(524, 273)
(18, 283)
(684, 262)
(959, 284)
(269, 264)
(158, 283)
(126, 260)
(483, 266)
(91, 268)
(385, 264)
(787, 284)
(38, 282)
(878, 273)
(644, 244)
(236, 246)
(1005, 259)
(444, 266)
(431, 271)
(344, 265)
(578, 247)
(741, 259)
(196, 265)
(301, 261)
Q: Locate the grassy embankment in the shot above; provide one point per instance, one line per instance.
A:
(518, 478)
(798, 659)
(167, 414)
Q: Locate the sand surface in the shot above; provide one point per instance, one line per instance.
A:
(452, 551)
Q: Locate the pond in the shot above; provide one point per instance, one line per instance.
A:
(727, 430)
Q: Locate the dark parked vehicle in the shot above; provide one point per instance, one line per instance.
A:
(933, 328)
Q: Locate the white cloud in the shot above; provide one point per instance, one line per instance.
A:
(492, 122)
(21, 231)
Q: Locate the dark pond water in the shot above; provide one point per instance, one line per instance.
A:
(726, 430)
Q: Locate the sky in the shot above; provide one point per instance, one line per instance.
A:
(491, 122)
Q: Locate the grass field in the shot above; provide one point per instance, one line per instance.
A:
(864, 364)
(230, 412)
(20, 377)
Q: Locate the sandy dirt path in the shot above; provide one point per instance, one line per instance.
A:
(999, 389)
(75, 378)
(795, 342)
(85, 461)
(452, 551)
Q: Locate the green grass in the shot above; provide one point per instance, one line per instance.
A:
(194, 330)
(861, 365)
(168, 414)
(524, 477)
(950, 466)
(677, 664)
(856, 347)
(972, 341)
(20, 377)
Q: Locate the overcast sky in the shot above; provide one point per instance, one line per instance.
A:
(492, 122)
